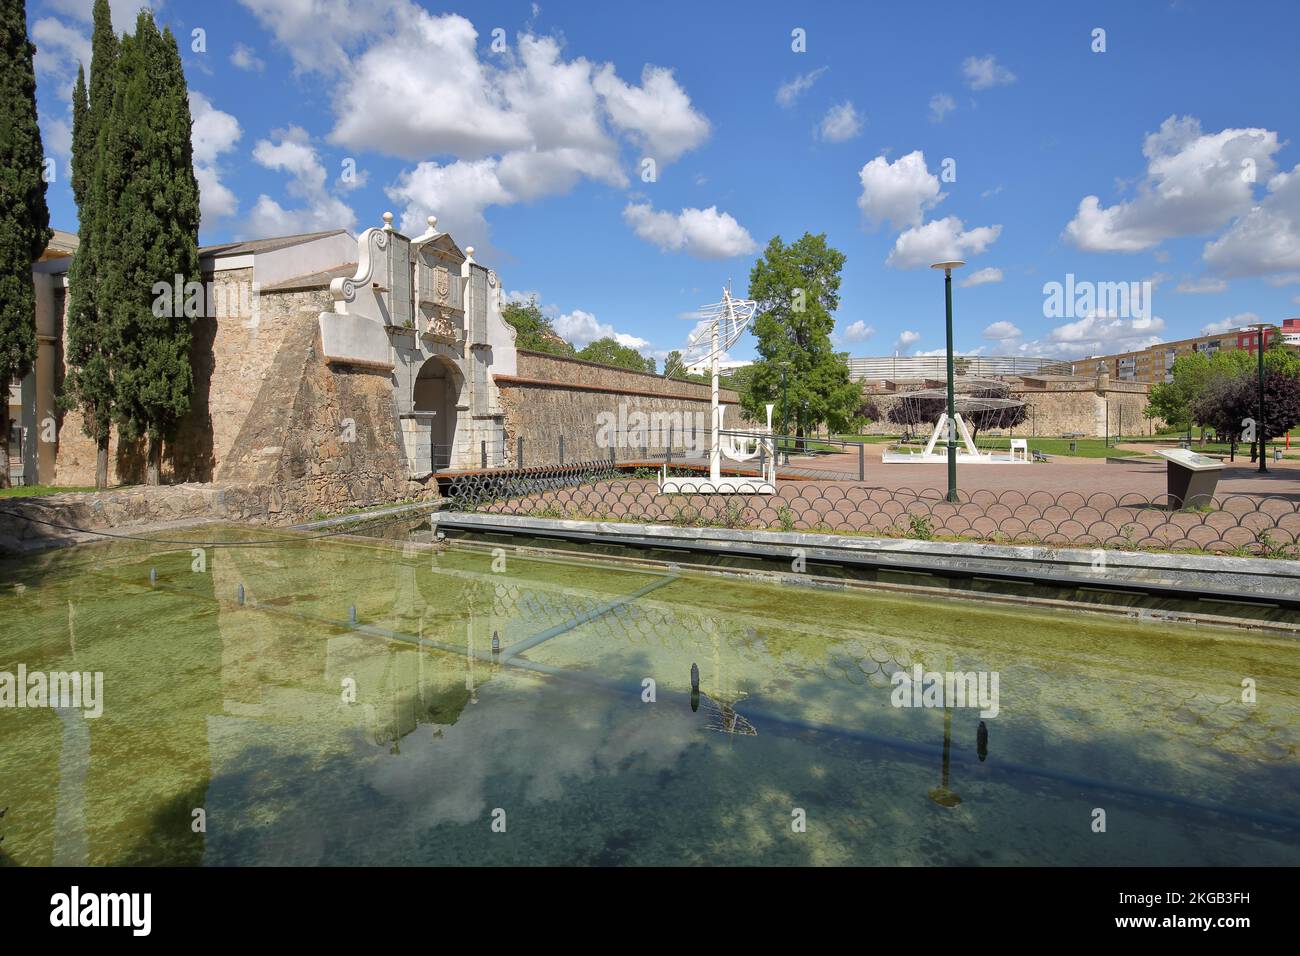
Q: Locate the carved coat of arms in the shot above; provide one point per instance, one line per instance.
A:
(441, 283)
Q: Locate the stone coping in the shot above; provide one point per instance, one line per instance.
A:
(1212, 574)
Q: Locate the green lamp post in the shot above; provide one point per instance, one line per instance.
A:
(947, 268)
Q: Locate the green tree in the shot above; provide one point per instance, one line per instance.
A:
(150, 238)
(1228, 403)
(608, 351)
(674, 366)
(1193, 375)
(89, 382)
(797, 290)
(24, 217)
(533, 330)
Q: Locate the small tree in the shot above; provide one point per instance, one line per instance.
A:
(1228, 405)
(24, 217)
(869, 411)
(1196, 374)
(533, 330)
(608, 351)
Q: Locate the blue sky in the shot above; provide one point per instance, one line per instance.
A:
(1170, 157)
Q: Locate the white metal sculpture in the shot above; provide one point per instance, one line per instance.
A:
(967, 453)
(986, 402)
(722, 326)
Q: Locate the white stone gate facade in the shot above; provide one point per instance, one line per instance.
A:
(427, 313)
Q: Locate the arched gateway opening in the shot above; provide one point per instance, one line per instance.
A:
(434, 400)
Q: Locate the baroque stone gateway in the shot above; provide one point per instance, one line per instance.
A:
(424, 311)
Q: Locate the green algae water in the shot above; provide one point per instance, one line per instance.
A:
(341, 702)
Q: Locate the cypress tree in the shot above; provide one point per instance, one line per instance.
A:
(89, 382)
(151, 237)
(24, 217)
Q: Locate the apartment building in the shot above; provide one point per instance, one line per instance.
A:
(1156, 363)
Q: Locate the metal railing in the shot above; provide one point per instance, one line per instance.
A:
(1233, 524)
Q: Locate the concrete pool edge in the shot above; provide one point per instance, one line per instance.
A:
(1206, 578)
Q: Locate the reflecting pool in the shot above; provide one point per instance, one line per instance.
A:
(332, 701)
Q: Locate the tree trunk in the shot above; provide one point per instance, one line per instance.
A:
(101, 463)
(4, 441)
(153, 470)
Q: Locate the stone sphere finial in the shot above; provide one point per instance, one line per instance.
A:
(469, 251)
(388, 221)
(433, 222)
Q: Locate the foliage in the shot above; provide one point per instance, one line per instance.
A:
(89, 381)
(533, 330)
(868, 410)
(150, 235)
(797, 288)
(24, 217)
(608, 351)
(920, 527)
(1194, 374)
(1227, 403)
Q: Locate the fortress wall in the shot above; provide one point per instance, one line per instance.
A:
(553, 396)
(1062, 408)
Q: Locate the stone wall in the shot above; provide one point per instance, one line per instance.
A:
(288, 437)
(326, 437)
(595, 406)
(232, 354)
(51, 520)
(1055, 409)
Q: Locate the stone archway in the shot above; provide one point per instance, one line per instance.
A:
(434, 400)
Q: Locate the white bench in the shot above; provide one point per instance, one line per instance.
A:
(1020, 445)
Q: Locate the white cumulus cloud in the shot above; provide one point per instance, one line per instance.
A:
(788, 93)
(941, 104)
(857, 331)
(291, 151)
(214, 132)
(940, 240)
(245, 58)
(1232, 322)
(703, 233)
(841, 123)
(1195, 183)
(983, 72)
(899, 192)
(512, 126)
(1000, 331)
(906, 339)
(982, 277)
(581, 328)
(1266, 240)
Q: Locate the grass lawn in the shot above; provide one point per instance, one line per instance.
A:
(37, 491)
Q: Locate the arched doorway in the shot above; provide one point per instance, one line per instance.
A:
(434, 399)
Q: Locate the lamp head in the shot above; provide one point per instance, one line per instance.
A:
(948, 266)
